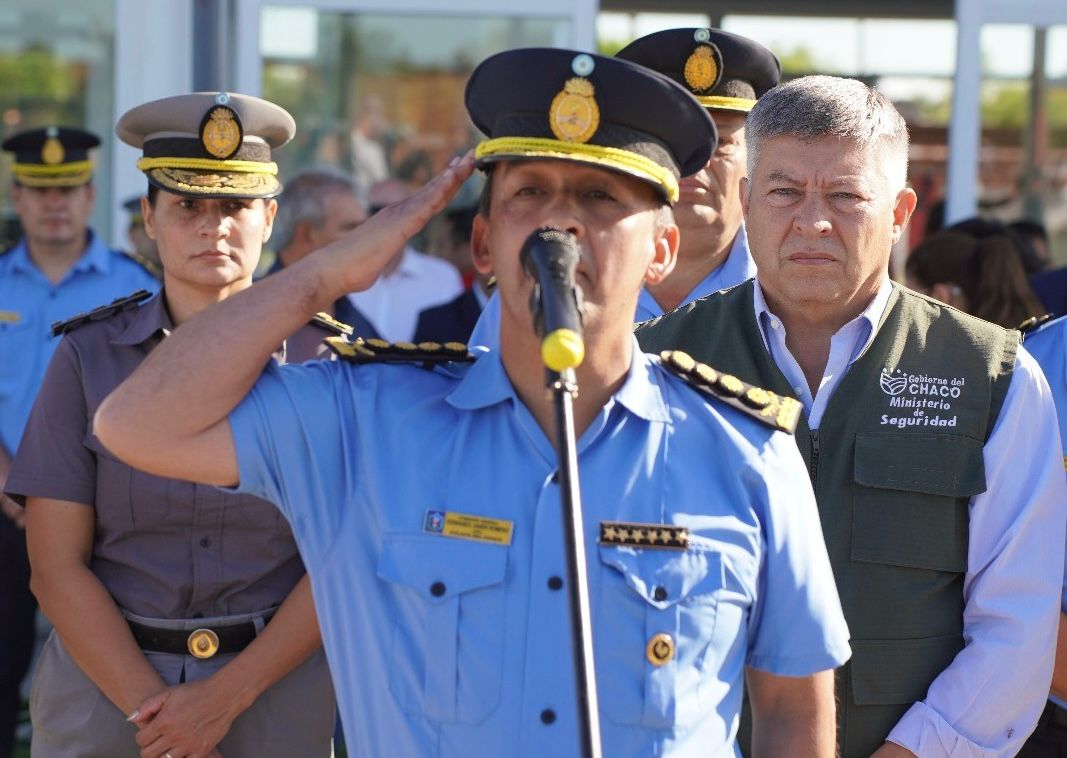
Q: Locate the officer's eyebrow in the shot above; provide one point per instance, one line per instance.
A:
(782, 176)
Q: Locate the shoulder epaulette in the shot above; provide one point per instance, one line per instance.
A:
(98, 314)
(150, 266)
(330, 324)
(376, 350)
(1033, 323)
(782, 413)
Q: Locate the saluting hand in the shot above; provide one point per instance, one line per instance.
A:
(365, 251)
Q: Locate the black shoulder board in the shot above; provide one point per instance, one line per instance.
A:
(1033, 323)
(779, 412)
(375, 350)
(97, 314)
(330, 324)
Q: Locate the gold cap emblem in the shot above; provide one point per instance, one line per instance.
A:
(52, 152)
(703, 68)
(660, 649)
(203, 643)
(220, 132)
(574, 115)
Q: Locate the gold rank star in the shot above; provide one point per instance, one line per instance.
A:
(610, 533)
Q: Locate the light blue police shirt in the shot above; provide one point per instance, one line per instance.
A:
(1048, 346)
(453, 647)
(738, 267)
(29, 304)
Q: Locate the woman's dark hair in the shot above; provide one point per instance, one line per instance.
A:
(979, 227)
(987, 270)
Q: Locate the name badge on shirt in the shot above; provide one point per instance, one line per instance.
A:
(10, 317)
(629, 534)
(466, 527)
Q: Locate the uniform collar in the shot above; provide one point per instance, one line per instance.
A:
(872, 314)
(148, 320)
(486, 383)
(95, 257)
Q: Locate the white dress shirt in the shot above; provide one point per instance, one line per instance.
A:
(988, 700)
(394, 302)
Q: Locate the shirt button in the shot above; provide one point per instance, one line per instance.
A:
(437, 589)
(548, 716)
(659, 594)
(799, 390)
(776, 324)
(554, 583)
(205, 542)
(660, 649)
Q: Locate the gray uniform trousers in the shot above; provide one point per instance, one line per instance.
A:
(72, 718)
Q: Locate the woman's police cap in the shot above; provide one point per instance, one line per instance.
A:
(548, 103)
(724, 71)
(55, 156)
(209, 144)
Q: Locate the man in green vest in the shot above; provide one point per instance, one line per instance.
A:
(930, 435)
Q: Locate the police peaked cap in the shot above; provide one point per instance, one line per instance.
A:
(209, 144)
(724, 71)
(54, 156)
(550, 103)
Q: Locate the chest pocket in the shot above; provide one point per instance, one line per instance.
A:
(127, 498)
(911, 498)
(21, 342)
(645, 593)
(447, 653)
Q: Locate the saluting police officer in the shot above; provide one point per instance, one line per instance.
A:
(441, 594)
(58, 268)
(183, 615)
(727, 73)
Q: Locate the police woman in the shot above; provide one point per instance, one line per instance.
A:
(184, 624)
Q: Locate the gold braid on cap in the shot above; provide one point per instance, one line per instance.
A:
(207, 164)
(58, 169)
(612, 157)
(743, 104)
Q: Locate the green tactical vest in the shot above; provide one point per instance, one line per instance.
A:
(894, 463)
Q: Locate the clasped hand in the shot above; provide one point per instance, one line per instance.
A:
(185, 721)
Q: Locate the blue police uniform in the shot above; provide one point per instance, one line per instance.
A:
(738, 267)
(452, 646)
(30, 304)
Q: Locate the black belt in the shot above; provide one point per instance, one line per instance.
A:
(203, 642)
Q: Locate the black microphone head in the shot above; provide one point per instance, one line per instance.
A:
(556, 245)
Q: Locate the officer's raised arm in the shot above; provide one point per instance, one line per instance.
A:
(169, 417)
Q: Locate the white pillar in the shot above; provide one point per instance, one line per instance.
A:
(965, 125)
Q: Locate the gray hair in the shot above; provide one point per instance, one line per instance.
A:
(304, 200)
(814, 107)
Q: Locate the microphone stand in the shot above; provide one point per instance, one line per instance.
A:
(563, 388)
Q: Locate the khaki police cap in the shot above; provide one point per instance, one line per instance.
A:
(209, 144)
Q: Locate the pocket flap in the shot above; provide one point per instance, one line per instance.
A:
(665, 577)
(938, 464)
(896, 672)
(439, 568)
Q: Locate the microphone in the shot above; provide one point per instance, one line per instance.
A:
(550, 256)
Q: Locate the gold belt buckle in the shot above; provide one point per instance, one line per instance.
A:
(203, 643)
